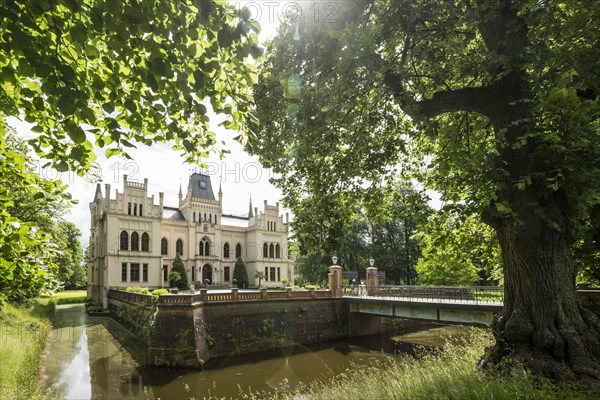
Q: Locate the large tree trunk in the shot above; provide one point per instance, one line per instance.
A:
(543, 325)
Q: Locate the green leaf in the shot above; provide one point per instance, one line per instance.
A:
(91, 51)
(66, 104)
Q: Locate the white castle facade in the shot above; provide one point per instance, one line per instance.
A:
(133, 240)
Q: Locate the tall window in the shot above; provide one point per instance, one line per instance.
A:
(141, 210)
(274, 226)
(226, 274)
(165, 273)
(238, 251)
(135, 209)
(146, 242)
(193, 274)
(226, 250)
(210, 218)
(278, 274)
(124, 241)
(129, 208)
(204, 249)
(134, 272)
(272, 251)
(272, 275)
(145, 272)
(265, 250)
(266, 273)
(194, 216)
(277, 251)
(164, 246)
(124, 272)
(179, 247)
(135, 241)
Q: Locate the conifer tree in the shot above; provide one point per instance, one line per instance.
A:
(178, 267)
(240, 274)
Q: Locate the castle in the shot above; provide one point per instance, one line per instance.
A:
(133, 241)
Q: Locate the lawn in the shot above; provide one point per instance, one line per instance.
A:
(70, 296)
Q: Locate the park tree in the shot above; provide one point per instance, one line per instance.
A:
(112, 75)
(179, 268)
(260, 275)
(240, 274)
(495, 104)
(457, 249)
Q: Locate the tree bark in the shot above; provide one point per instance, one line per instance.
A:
(543, 325)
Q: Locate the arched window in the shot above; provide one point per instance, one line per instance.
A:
(265, 250)
(164, 247)
(204, 216)
(145, 242)
(272, 251)
(210, 218)
(226, 250)
(277, 251)
(204, 248)
(124, 241)
(238, 251)
(179, 247)
(194, 216)
(135, 241)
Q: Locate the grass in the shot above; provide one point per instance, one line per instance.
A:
(447, 374)
(70, 297)
(23, 332)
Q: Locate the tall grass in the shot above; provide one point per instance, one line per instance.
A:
(23, 332)
(448, 373)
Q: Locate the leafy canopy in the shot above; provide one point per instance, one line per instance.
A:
(113, 73)
(412, 89)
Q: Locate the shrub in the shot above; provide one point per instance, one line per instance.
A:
(158, 292)
(240, 274)
(182, 282)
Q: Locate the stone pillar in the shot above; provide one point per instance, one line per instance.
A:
(204, 295)
(335, 280)
(372, 279)
(264, 294)
(235, 294)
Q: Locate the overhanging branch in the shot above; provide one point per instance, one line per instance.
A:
(472, 99)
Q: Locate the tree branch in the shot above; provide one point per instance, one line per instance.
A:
(471, 99)
(465, 99)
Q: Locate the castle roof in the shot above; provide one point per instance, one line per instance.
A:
(201, 186)
(172, 213)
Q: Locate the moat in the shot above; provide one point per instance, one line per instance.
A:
(95, 357)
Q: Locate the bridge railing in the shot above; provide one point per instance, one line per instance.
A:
(451, 294)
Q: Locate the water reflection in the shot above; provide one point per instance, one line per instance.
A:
(96, 358)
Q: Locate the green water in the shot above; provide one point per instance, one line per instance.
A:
(96, 358)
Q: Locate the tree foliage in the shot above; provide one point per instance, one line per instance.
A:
(27, 253)
(494, 104)
(178, 267)
(240, 274)
(457, 250)
(111, 74)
